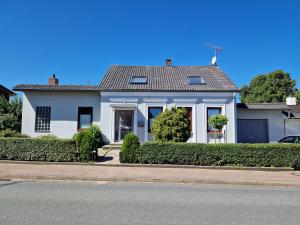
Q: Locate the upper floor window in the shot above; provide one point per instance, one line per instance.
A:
(195, 80)
(138, 80)
(153, 112)
(85, 117)
(42, 118)
(210, 112)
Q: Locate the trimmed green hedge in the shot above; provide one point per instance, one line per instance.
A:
(38, 149)
(254, 155)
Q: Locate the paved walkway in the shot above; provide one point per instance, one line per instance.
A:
(146, 174)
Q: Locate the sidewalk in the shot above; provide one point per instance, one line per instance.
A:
(147, 174)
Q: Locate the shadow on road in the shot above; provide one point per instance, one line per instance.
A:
(9, 183)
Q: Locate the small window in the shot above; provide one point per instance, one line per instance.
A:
(195, 80)
(42, 118)
(138, 80)
(85, 117)
(153, 112)
(211, 111)
(190, 115)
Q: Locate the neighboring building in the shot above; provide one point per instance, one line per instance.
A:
(5, 92)
(267, 122)
(128, 100)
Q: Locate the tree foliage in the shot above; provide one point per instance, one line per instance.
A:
(270, 87)
(10, 114)
(217, 121)
(172, 125)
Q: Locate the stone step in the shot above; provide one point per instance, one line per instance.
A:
(112, 147)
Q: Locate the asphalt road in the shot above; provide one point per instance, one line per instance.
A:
(125, 203)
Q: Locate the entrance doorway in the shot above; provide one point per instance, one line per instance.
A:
(124, 124)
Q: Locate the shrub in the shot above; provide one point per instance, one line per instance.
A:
(130, 146)
(48, 136)
(172, 125)
(88, 140)
(254, 155)
(12, 133)
(38, 149)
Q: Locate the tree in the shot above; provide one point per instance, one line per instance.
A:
(172, 125)
(10, 114)
(217, 122)
(270, 87)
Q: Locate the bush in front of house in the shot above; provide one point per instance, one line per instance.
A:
(38, 149)
(47, 136)
(87, 141)
(171, 125)
(7, 133)
(130, 146)
(251, 155)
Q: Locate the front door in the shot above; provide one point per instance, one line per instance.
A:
(123, 123)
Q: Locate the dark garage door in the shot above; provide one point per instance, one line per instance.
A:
(252, 131)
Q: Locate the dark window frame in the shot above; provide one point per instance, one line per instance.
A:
(207, 125)
(83, 110)
(190, 114)
(42, 119)
(149, 108)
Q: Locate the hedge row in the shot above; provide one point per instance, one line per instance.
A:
(254, 155)
(38, 149)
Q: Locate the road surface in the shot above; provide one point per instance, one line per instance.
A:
(48, 202)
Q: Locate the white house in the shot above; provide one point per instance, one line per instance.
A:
(130, 97)
(128, 100)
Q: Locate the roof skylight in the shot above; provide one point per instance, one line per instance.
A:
(195, 80)
(138, 80)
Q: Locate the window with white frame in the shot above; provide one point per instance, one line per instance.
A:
(42, 118)
(211, 111)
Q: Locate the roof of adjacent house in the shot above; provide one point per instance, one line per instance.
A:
(166, 79)
(293, 112)
(39, 87)
(6, 90)
(270, 106)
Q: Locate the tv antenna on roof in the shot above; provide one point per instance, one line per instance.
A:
(216, 50)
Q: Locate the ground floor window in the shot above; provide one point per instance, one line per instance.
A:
(42, 118)
(85, 117)
(211, 111)
(190, 115)
(153, 112)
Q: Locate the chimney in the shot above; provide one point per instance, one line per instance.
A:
(52, 80)
(168, 62)
(291, 100)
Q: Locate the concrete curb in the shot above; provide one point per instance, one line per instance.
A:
(145, 180)
(274, 169)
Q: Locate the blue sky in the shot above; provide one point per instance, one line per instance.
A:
(78, 40)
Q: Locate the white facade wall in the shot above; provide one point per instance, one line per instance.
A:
(140, 101)
(64, 111)
(275, 120)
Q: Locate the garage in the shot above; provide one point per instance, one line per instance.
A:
(252, 131)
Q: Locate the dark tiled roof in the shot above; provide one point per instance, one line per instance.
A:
(279, 106)
(38, 87)
(166, 79)
(6, 90)
(293, 112)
